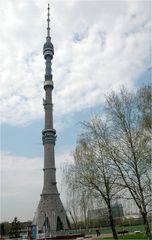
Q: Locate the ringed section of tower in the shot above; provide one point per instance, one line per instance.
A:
(49, 133)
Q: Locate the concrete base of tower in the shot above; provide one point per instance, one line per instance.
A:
(51, 216)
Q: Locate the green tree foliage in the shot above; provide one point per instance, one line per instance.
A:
(2, 229)
(15, 229)
(5, 228)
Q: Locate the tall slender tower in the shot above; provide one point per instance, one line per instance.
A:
(50, 213)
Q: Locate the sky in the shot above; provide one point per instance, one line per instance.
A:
(99, 46)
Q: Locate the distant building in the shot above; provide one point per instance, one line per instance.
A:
(24, 227)
(101, 213)
(117, 210)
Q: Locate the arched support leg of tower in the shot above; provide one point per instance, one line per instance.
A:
(59, 225)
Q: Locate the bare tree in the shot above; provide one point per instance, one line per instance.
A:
(144, 106)
(115, 154)
(78, 198)
(73, 208)
(92, 167)
(128, 145)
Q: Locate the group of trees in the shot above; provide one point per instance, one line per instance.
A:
(4, 228)
(112, 158)
(10, 229)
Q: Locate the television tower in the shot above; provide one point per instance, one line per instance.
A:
(50, 215)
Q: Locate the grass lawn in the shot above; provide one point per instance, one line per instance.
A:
(105, 230)
(131, 236)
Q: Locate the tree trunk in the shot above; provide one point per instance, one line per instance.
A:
(112, 222)
(75, 223)
(146, 225)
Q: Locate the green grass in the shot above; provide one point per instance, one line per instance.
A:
(128, 228)
(131, 236)
(131, 228)
(105, 230)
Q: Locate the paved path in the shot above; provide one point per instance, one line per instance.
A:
(94, 237)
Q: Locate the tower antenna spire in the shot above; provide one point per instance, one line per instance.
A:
(48, 20)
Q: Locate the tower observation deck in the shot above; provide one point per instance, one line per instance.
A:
(50, 215)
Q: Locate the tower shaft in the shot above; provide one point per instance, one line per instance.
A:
(51, 215)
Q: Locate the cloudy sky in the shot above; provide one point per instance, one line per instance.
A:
(99, 46)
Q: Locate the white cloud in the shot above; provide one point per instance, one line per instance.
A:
(22, 182)
(99, 45)
(20, 176)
